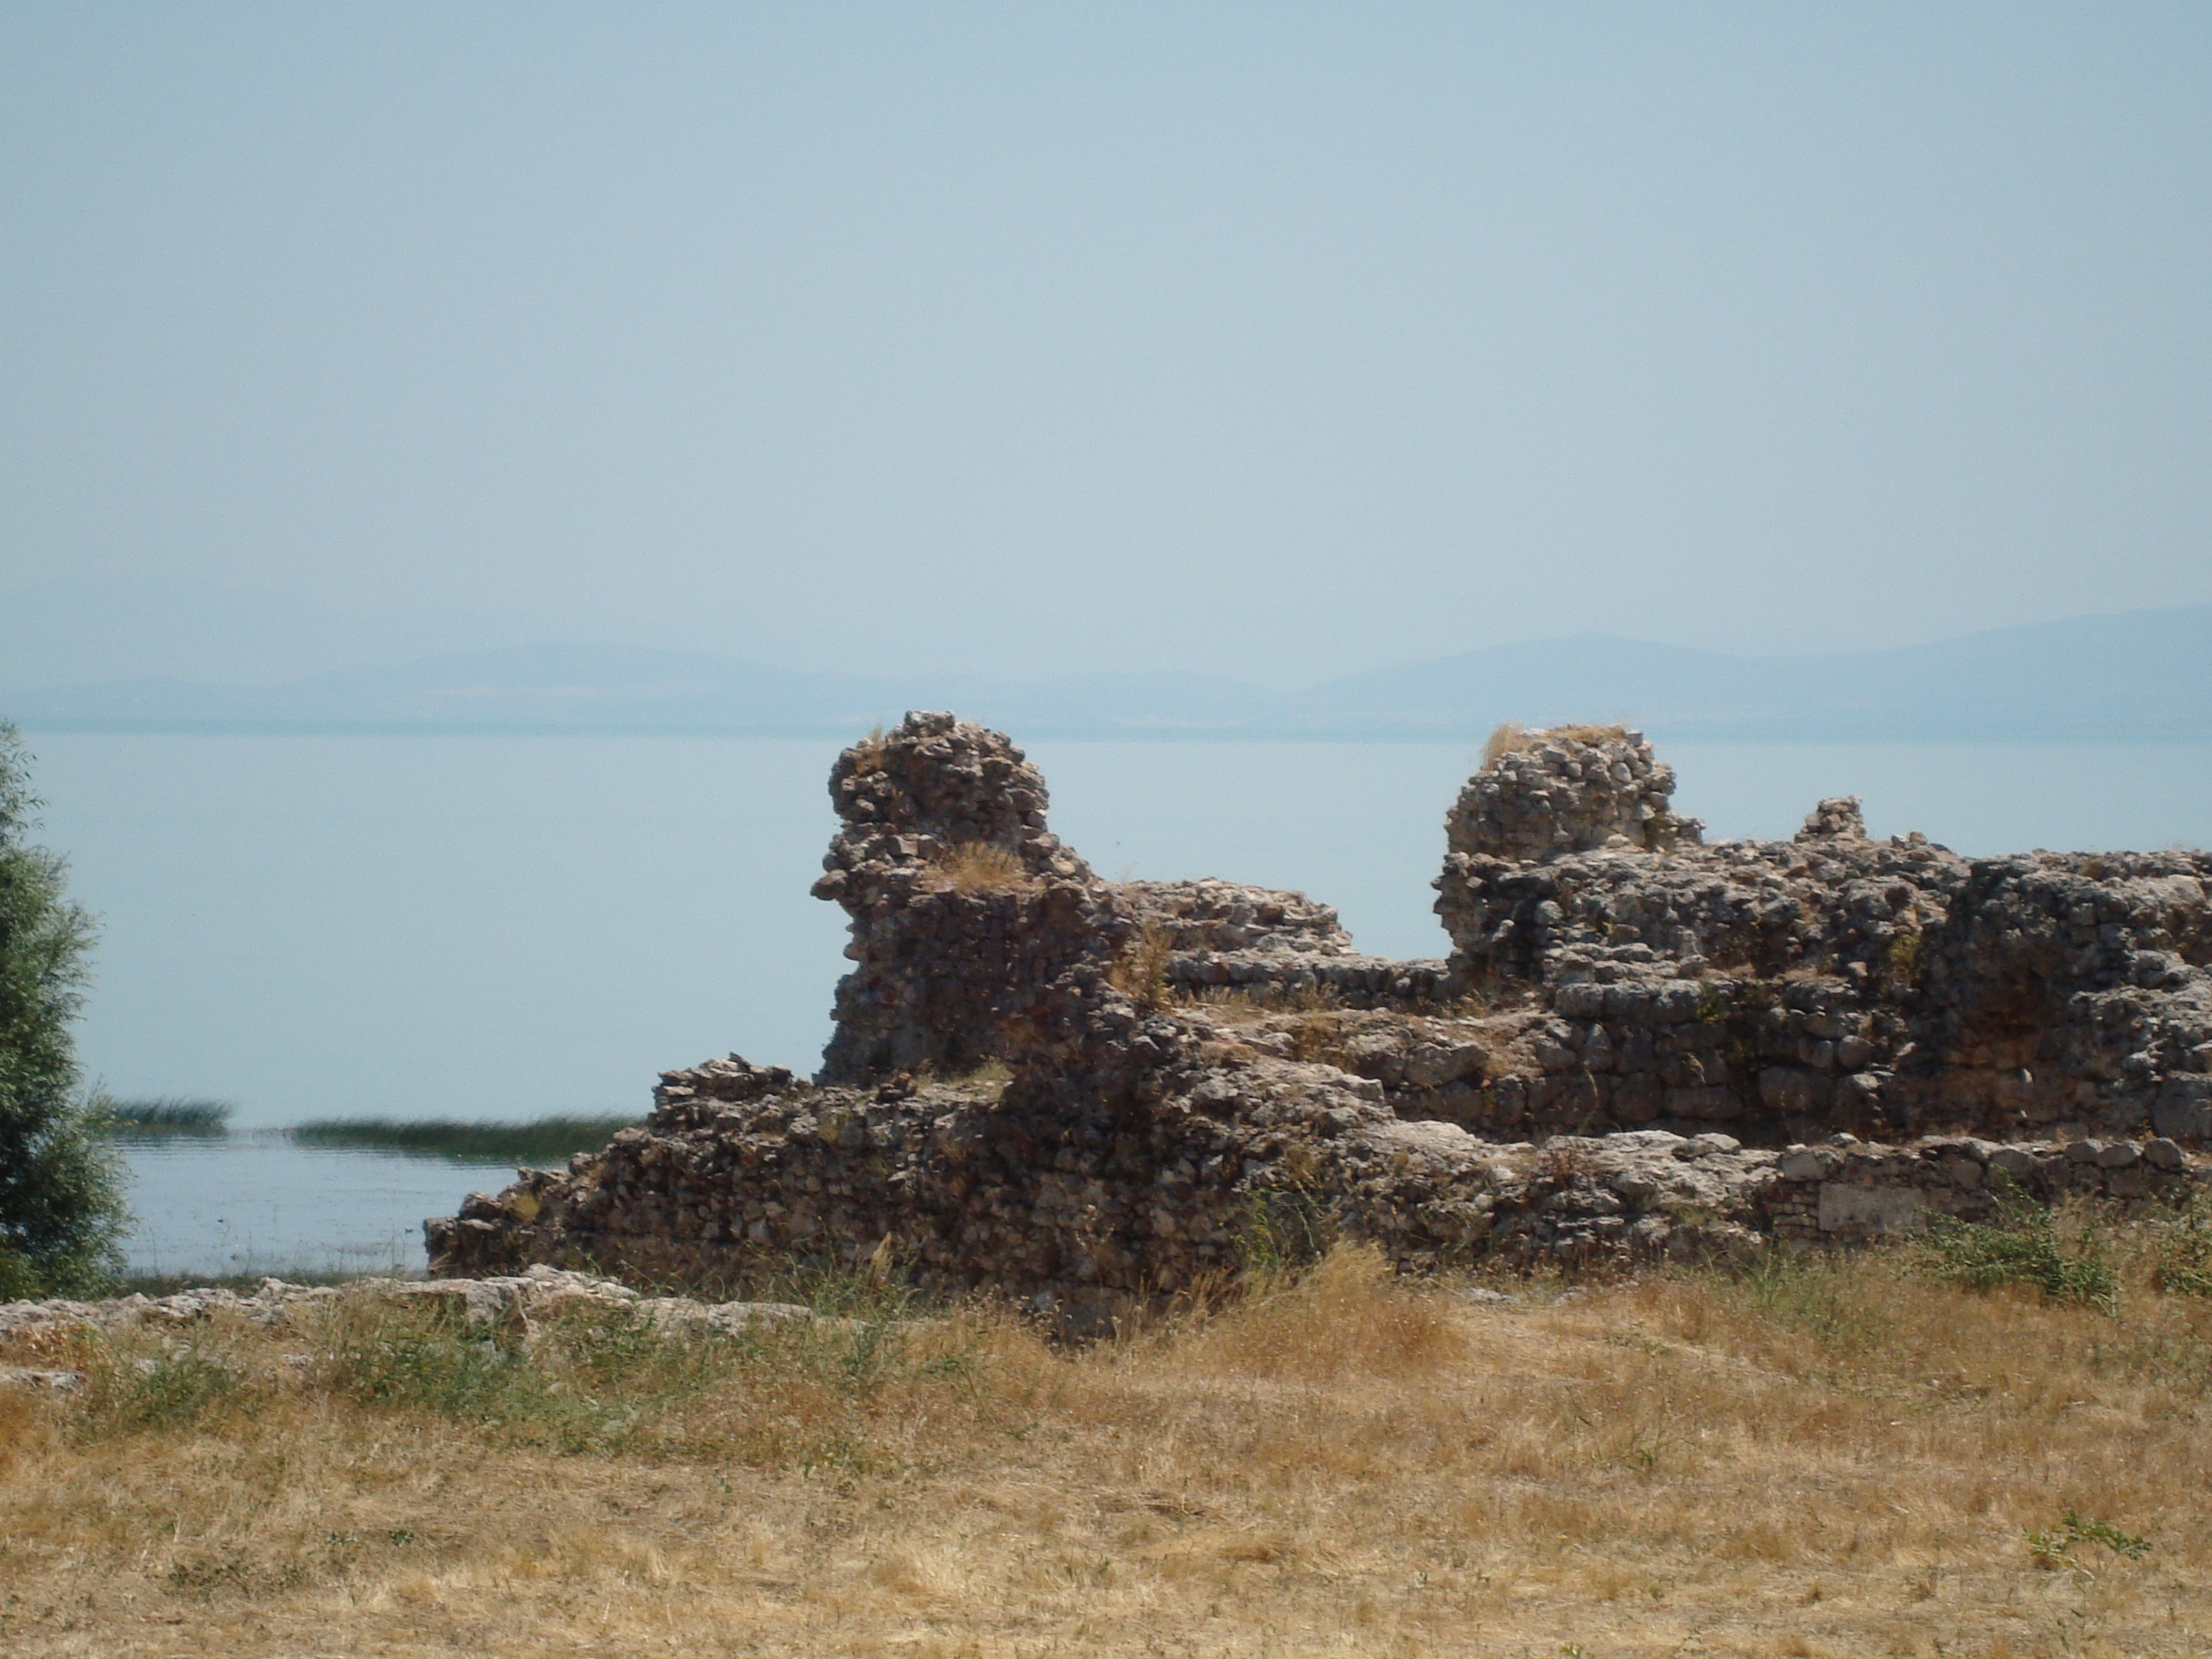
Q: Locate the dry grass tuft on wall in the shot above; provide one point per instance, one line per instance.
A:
(868, 753)
(1590, 734)
(1511, 737)
(977, 867)
(1514, 738)
(1809, 1457)
(1141, 970)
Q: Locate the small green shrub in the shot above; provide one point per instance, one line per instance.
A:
(1901, 958)
(2058, 1547)
(871, 1289)
(131, 1393)
(580, 1382)
(176, 1391)
(2023, 1244)
(435, 1366)
(2181, 1261)
(1285, 1229)
(496, 1383)
(603, 1380)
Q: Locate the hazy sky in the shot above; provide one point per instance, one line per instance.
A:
(1281, 340)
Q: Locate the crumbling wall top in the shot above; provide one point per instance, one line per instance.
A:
(935, 774)
(1223, 916)
(1543, 794)
(1838, 818)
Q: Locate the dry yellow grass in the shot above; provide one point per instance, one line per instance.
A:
(976, 866)
(1141, 970)
(868, 753)
(1831, 1460)
(1512, 738)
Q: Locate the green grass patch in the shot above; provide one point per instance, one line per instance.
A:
(1831, 1299)
(130, 1391)
(579, 1381)
(538, 1140)
(2182, 1260)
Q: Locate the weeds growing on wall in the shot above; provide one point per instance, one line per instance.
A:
(2061, 1254)
(1901, 958)
(977, 867)
(1285, 1229)
(1511, 737)
(868, 753)
(1141, 970)
(1590, 734)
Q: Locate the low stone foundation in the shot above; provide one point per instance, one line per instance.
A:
(1853, 1192)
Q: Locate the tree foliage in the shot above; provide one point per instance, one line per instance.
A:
(61, 1210)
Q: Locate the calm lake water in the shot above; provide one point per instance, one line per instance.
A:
(256, 1204)
(495, 928)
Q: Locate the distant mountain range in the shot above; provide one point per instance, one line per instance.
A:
(2146, 674)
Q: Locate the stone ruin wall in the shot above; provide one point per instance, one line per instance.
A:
(1086, 1094)
(963, 904)
(1832, 982)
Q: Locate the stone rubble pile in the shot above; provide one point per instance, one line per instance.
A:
(270, 1302)
(1086, 1094)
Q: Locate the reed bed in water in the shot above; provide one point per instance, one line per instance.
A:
(168, 1116)
(1849, 1457)
(543, 1139)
